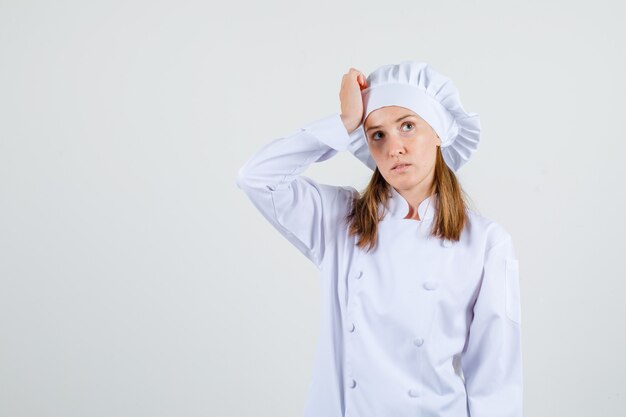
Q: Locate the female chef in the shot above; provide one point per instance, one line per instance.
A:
(420, 294)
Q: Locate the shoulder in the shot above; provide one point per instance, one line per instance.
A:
(336, 200)
(490, 232)
(341, 194)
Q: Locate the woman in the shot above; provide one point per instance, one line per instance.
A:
(420, 294)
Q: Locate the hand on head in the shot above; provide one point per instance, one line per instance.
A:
(351, 100)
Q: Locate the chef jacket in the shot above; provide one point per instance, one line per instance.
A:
(420, 326)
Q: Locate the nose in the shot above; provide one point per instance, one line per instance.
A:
(396, 145)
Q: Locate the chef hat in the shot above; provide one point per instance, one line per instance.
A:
(418, 87)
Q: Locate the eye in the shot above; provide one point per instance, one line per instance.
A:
(374, 135)
(408, 123)
(374, 138)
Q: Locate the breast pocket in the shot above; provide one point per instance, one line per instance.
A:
(513, 302)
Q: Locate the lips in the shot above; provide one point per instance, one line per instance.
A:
(400, 165)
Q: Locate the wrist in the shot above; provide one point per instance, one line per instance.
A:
(350, 123)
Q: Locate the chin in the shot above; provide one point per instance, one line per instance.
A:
(400, 182)
(404, 181)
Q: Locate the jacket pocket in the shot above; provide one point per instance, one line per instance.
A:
(513, 302)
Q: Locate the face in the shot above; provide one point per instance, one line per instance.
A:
(396, 134)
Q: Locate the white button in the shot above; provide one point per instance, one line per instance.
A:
(431, 285)
(358, 275)
(351, 328)
(352, 383)
(413, 392)
(447, 243)
(418, 342)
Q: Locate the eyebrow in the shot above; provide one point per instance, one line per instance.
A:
(376, 127)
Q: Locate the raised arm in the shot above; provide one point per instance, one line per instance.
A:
(302, 210)
(296, 205)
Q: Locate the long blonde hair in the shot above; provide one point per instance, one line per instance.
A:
(449, 220)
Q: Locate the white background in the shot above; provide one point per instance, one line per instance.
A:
(136, 279)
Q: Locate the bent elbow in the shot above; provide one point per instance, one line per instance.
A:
(241, 179)
(247, 179)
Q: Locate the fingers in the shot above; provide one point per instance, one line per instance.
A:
(350, 77)
(354, 73)
(363, 83)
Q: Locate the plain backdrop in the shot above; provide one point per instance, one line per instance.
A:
(136, 279)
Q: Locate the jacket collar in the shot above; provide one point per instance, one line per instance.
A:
(399, 207)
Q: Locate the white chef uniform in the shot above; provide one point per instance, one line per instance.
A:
(418, 327)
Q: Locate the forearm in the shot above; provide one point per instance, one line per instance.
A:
(278, 162)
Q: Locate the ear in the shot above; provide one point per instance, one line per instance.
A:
(438, 141)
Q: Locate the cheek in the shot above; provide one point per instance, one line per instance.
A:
(425, 153)
(375, 151)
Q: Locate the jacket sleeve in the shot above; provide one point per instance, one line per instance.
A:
(297, 206)
(492, 360)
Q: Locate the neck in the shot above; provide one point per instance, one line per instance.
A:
(415, 196)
